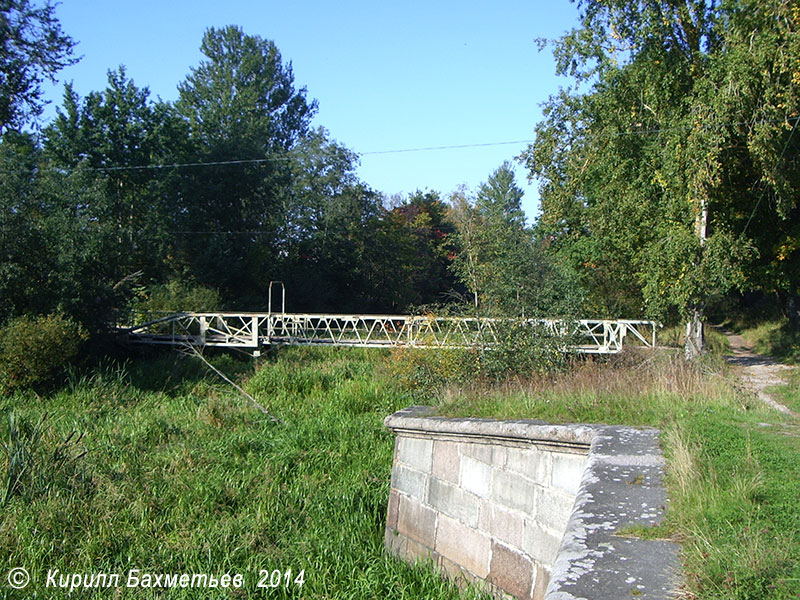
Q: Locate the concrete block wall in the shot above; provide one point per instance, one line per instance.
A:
(498, 502)
(484, 509)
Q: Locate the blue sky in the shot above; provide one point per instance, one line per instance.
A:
(387, 75)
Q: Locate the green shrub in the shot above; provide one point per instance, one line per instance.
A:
(512, 348)
(521, 349)
(35, 350)
(173, 296)
(426, 368)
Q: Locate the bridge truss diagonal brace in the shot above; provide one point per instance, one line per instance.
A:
(252, 330)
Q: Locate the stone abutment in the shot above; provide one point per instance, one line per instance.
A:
(530, 509)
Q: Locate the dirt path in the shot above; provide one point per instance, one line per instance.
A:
(758, 372)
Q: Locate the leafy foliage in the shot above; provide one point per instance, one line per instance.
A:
(174, 296)
(113, 137)
(240, 105)
(501, 261)
(327, 238)
(34, 350)
(504, 265)
(32, 47)
(96, 218)
(523, 348)
(682, 128)
(55, 256)
(426, 371)
(422, 245)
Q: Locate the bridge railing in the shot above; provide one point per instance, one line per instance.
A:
(252, 330)
(201, 329)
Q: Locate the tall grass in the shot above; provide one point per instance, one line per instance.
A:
(733, 465)
(187, 477)
(675, 337)
(183, 475)
(642, 388)
(36, 466)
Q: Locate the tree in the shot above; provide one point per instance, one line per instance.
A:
(467, 240)
(495, 253)
(53, 256)
(23, 266)
(244, 117)
(423, 247)
(499, 258)
(500, 198)
(325, 243)
(32, 47)
(652, 174)
(119, 136)
(242, 97)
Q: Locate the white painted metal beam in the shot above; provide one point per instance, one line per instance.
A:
(252, 330)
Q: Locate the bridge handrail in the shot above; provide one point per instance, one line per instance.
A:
(250, 329)
(170, 317)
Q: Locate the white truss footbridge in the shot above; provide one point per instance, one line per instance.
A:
(252, 331)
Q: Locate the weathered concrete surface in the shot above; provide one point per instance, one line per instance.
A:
(531, 509)
(622, 486)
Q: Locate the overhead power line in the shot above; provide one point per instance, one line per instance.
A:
(243, 161)
(456, 147)
(273, 159)
(288, 158)
(609, 134)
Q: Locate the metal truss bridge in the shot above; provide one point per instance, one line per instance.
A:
(251, 331)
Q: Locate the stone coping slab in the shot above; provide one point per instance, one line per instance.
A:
(621, 486)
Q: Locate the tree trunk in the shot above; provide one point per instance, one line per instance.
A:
(695, 339)
(794, 312)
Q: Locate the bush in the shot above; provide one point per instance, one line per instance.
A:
(35, 350)
(523, 349)
(425, 368)
(173, 296)
(512, 348)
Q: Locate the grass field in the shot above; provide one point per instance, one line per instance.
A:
(181, 475)
(789, 394)
(733, 465)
